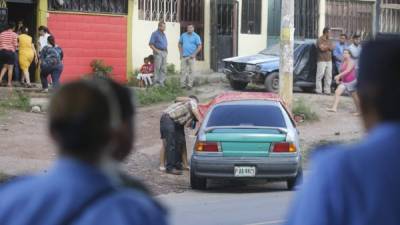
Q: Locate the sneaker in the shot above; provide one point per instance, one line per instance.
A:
(174, 172)
(46, 90)
(162, 168)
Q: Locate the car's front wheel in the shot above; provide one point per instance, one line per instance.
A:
(272, 82)
(238, 85)
(291, 183)
(197, 183)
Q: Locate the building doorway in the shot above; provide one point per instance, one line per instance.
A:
(25, 11)
(224, 31)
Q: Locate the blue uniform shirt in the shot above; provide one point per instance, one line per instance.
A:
(338, 54)
(48, 199)
(353, 185)
(159, 40)
(189, 43)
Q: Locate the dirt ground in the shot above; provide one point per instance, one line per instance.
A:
(25, 147)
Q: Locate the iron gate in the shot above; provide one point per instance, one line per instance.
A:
(224, 31)
(389, 16)
(350, 17)
(306, 16)
(192, 12)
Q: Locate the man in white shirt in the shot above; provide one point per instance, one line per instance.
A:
(355, 50)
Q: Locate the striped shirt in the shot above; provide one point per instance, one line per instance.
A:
(8, 40)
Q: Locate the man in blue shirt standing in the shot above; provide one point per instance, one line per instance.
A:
(159, 44)
(92, 124)
(359, 184)
(338, 51)
(189, 46)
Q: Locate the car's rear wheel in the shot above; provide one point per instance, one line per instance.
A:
(237, 85)
(291, 183)
(197, 183)
(272, 82)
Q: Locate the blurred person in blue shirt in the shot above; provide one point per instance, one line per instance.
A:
(159, 44)
(92, 123)
(189, 46)
(359, 183)
(341, 45)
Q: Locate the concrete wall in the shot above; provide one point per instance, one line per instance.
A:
(253, 43)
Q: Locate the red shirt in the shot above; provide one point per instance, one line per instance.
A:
(8, 40)
(147, 68)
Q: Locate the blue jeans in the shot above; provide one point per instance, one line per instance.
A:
(54, 72)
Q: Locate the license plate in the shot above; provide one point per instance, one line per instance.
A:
(245, 171)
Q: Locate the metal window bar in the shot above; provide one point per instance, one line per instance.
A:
(90, 6)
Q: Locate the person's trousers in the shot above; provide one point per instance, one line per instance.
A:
(170, 132)
(17, 76)
(187, 71)
(54, 72)
(160, 67)
(324, 71)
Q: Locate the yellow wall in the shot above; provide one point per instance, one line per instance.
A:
(204, 65)
(253, 43)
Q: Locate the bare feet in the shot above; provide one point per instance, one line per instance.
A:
(331, 110)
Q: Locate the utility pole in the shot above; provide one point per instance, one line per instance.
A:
(286, 52)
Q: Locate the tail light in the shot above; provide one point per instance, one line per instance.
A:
(284, 147)
(203, 146)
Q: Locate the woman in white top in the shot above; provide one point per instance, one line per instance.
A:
(44, 33)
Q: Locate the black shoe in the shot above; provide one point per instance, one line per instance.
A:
(174, 172)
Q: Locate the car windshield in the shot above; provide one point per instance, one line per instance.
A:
(273, 50)
(246, 115)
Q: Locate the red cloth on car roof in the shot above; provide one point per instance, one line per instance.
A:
(237, 96)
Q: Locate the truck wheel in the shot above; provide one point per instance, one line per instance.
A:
(272, 82)
(197, 183)
(291, 183)
(237, 85)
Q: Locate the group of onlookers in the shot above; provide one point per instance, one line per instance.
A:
(345, 57)
(18, 52)
(189, 47)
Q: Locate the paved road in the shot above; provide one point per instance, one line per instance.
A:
(230, 205)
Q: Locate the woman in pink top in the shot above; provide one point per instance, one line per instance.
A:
(347, 82)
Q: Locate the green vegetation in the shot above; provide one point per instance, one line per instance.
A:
(132, 79)
(301, 108)
(171, 69)
(99, 68)
(15, 100)
(155, 94)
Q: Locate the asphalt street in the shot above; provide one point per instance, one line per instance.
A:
(230, 204)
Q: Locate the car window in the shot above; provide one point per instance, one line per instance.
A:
(246, 115)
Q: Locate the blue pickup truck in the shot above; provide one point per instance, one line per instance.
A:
(263, 68)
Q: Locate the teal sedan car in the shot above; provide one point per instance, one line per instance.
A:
(247, 139)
